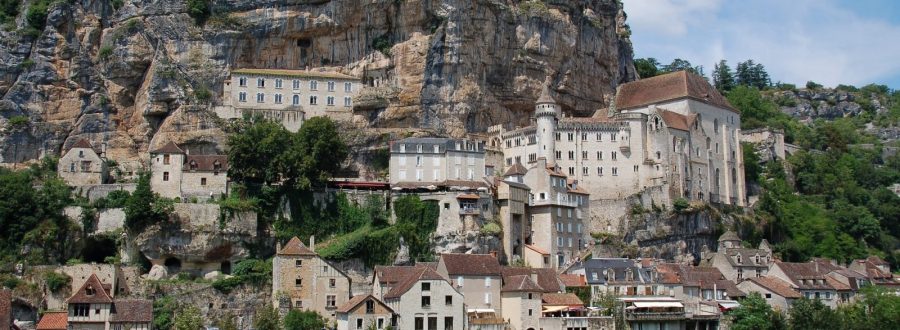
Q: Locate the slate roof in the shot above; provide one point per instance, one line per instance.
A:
(206, 163)
(168, 148)
(729, 236)
(748, 257)
(775, 285)
(545, 95)
(420, 274)
(520, 283)
(596, 271)
(295, 247)
(547, 278)
(471, 264)
(100, 294)
(669, 87)
(561, 299)
(572, 280)
(676, 120)
(359, 299)
(55, 320)
(132, 311)
(516, 169)
(294, 73)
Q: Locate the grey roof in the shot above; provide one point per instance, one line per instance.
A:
(748, 257)
(597, 270)
(444, 144)
(729, 236)
(545, 95)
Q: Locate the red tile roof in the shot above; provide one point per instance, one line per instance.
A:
(536, 249)
(295, 247)
(99, 295)
(359, 299)
(669, 87)
(836, 284)
(471, 264)
(677, 121)
(775, 285)
(702, 277)
(132, 311)
(206, 163)
(516, 169)
(573, 280)
(520, 283)
(547, 278)
(168, 148)
(56, 320)
(561, 299)
(394, 274)
(420, 274)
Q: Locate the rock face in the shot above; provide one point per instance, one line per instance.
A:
(826, 103)
(127, 78)
(679, 237)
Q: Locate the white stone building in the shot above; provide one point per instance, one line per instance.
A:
(436, 160)
(668, 136)
(81, 165)
(288, 96)
(421, 297)
(177, 174)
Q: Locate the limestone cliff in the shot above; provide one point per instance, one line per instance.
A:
(136, 76)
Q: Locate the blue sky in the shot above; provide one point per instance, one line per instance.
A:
(826, 41)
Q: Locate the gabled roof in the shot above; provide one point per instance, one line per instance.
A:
(55, 320)
(99, 295)
(805, 275)
(676, 120)
(702, 277)
(537, 249)
(669, 87)
(471, 264)
(547, 278)
(393, 274)
(561, 299)
(82, 143)
(572, 280)
(205, 163)
(295, 247)
(420, 274)
(357, 300)
(775, 285)
(168, 148)
(837, 285)
(516, 169)
(520, 283)
(132, 311)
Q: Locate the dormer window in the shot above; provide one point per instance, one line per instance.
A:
(193, 165)
(738, 258)
(89, 290)
(217, 166)
(757, 259)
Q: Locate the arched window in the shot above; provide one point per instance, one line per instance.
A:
(296, 100)
(716, 126)
(674, 148)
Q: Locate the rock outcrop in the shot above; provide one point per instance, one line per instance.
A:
(132, 78)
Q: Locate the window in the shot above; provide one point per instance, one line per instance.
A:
(89, 291)
(599, 137)
(324, 269)
(557, 136)
(165, 176)
(330, 301)
(332, 283)
(82, 309)
(298, 263)
(487, 282)
(615, 171)
(331, 86)
(571, 171)
(295, 100)
(584, 170)
(448, 323)
(296, 84)
(359, 323)
(613, 155)
(278, 83)
(432, 323)
(584, 155)
(380, 323)
(459, 281)
(313, 85)
(426, 286)
(448, 300)
(370, 306)
(348, 87)
(313, 100)
(347, 101)
(420, 323)
(571, 155)
(571, 137)
(612, 137)
(165, 159)
(242, 97)
(584, 136)
(487, 298)
(260, 82)
(426, 301)
(260, 97)
(529, 310)
(740, 273)
(298, 282)
(202, 181)
(298, 304)
(768, 296)
(242, 81)
(330, 100)
(558, 154)
(277, 98)
(72, 167)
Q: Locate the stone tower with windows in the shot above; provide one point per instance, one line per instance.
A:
(546, 113)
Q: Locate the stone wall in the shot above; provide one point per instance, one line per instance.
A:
(110, 220)
(96, 192)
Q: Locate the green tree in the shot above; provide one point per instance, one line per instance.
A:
(188, 318)
(163, 310)
(303, 320)
(722, 77)
(681, 64)
(144, 207)
(255, 152)
(198, 10)
(646, 67)
(752, 169)
(317, 152)
(755, 314)
(226, 322)
(267, 318)
(752, 74)
(811, 314)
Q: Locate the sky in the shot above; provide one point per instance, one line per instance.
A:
(830, 42)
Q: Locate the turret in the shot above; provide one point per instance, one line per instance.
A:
(546, 112)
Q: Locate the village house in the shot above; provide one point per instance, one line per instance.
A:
(477, 277)
(778, 294)
(364, 312)
(616, 276)
(288, 96)
(877, 271)
(94, 306)
(521, 298)
(808, 279)
(423, 299)
(738, 263)
(178, 174)
(303, 280)
(704, 292)
(512, 200)
(81, 165)
(436, 160)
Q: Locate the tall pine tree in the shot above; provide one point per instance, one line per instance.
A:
(722, 77)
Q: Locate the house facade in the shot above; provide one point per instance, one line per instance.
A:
(364, 312)
(423, 299)
(81, 165)
(477, 276)
(778, 294)
(436, 160)
(303, 280)
(178, 174)
(738, 263)
(93, 306)
(288, 96)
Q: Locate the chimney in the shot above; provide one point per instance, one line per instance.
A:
(312, 243)
(534, 277)
(277, 247)
(494, 254)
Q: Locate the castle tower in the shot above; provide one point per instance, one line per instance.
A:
(546, 112)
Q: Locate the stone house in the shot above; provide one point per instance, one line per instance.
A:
(93, 306)
(288, 96)
(512, 200)
(178, 174)
(81, 165)
(808, 278)
(693, 284)
(618, 276)
(477, 276)
(521, 297)
(877, 271)
(303, 280)
(435, 160)
(423, 299)
(778, 294)
(364, 312)
(672, 134)
(738, 263)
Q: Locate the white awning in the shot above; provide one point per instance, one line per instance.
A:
(551, 309)
(729, 304)
(657, 304)
(480, 310)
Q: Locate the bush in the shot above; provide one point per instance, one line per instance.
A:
(163, 309)
(198, 10)
(27, 64)
(36, 16)
(56, 281)
(202, 94)
(9, 9)
(303, 320)
(383, 44)
(9, 281)
(105, 52)
(116, 4)
(18, 121)
(812, 85)
(680, 204)
(491, 229)
(225, 285)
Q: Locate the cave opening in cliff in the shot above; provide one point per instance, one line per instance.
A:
(173, 265)
(97, 248)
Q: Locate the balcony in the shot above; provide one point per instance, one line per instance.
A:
(654, 316)
(469, 210)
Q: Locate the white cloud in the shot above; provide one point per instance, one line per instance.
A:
(797, 40)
